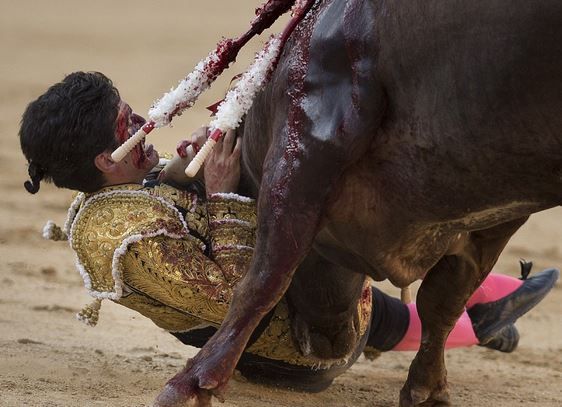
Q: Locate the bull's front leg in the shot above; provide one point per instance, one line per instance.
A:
(292, 199)
(441, 300)
(290, 208)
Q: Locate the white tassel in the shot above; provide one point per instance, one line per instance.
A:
(53, 232)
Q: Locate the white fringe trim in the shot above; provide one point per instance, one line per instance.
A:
(109, 194)
(72, 212)
(122, 249)
(48, 230)
(229, 196)
(230, 221)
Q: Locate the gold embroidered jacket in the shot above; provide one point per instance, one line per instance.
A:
(174, 259)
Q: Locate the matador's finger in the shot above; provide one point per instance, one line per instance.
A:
(219, 146)
(236, 152)
(199, 136)
(229, 139)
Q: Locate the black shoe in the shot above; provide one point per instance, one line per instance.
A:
(489, 318)
(506, 340)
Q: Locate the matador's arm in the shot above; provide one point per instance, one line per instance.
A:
(166, 274)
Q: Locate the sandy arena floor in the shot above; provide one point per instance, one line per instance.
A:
(47, 358)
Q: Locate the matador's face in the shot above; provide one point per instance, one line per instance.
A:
(143, 156)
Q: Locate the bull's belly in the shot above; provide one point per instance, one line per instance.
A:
(383, 226)
(383, 255)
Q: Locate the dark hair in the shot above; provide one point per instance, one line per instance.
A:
(63, 131)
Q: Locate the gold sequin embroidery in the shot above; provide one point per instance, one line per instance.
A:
(178, 274)
(106, 220)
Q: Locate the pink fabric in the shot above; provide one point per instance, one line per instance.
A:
(494, 287)
(462, 334)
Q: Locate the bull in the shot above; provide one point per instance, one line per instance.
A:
(398, 140)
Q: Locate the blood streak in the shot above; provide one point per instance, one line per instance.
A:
(127, 124)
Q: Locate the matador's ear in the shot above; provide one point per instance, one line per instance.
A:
(105, 163)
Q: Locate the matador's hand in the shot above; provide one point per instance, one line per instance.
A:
(222, 168)
(174, 171)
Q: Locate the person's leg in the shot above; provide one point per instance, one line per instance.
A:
(397, 326)
(494, 287)
(492, 310)
(503, 299)
(462, 334)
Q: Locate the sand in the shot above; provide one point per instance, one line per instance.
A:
(47, 358)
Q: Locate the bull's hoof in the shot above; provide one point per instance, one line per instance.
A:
(171, 397)
(425, 388)
(192, 389)
(412, 396)
(332, 342)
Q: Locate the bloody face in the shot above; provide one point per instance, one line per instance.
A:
(128, 123)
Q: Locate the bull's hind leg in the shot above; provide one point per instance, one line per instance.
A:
(441, 299)
(323, 299)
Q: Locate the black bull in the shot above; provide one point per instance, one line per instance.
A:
(400, 140)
